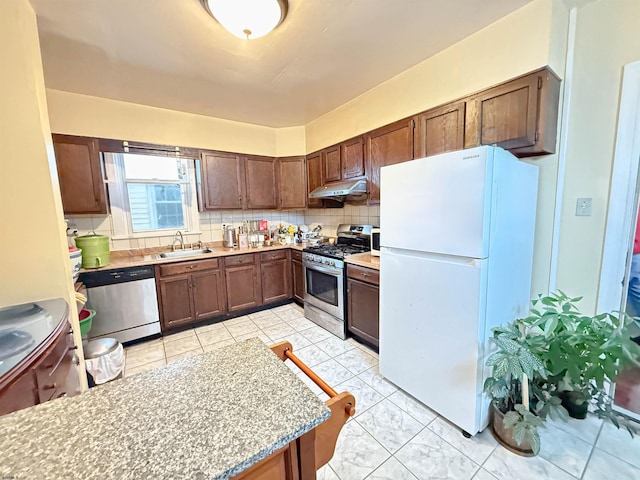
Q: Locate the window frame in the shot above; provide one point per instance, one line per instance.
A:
(119, 199)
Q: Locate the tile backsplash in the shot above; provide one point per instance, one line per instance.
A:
(211, 223)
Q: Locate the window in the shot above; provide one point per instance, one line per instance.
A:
(151, 196)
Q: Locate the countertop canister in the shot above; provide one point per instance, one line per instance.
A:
(95, 250)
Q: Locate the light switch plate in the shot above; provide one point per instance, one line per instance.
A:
(583, 207)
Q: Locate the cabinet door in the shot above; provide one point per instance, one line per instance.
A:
(260, 183)
(80, 175)
(387, 146)
(243, 287)
(314, 177)
(222, 181)
(292, 182)
(176, 301)
(297, 279)
(440, 130)
(208, 294)
(363, 310)
(507, 114)
(331, 164)
(353, 158)
(276, 280)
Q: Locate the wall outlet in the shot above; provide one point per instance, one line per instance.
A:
(224, 226)
(583, 207)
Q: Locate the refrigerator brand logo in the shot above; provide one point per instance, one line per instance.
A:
(470, 157)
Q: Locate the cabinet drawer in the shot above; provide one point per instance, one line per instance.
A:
(235, 260)
(52, 371)
(363, 274)
(296, 255)
(275, 255)
(187, 267)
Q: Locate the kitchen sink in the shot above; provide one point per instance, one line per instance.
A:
(185, 253)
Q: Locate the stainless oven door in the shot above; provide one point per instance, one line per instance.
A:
(324, 288)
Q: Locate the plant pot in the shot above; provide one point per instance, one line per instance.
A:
(504, 435)
(576, 404)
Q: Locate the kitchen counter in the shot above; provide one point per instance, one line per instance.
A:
(139, 257)
(210, 416)
(364, 260)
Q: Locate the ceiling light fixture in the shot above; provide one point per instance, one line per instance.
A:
(248, 18)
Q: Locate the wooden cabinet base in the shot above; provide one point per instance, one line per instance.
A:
(280, 465)
(46, 374)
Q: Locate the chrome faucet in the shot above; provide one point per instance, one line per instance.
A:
(176, 239)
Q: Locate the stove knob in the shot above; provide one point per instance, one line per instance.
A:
(331, 263)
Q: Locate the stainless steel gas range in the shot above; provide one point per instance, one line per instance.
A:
(324, 277)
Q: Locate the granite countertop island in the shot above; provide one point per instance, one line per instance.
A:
(209, 416)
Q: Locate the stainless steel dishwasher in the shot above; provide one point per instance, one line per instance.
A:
(125, 302)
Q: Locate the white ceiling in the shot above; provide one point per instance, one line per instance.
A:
(173, 54)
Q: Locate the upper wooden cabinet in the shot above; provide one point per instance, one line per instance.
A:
(386, 146)
(292, 183)
(332, 164)
(440, 130)
(222, 181)
(315, 177)
(352, 154)
(80, 175)
(260, 182)
(520, 115)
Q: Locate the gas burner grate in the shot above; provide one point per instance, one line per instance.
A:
(336, 251)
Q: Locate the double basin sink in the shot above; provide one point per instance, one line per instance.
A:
(185, 253)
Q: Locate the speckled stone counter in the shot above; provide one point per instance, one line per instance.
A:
(139, 257)
(205, 417)
(364, 260)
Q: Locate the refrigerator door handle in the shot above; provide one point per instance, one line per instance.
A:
(437, 257)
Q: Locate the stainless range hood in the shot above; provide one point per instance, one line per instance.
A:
(341, 191)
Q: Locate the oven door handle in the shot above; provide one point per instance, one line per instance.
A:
(318, 268)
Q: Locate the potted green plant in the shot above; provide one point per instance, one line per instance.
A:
(521, 396)
(582, 354)
(552, 359)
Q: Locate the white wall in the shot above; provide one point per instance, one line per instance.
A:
(607, 38)
(34, 258)
(84, 115)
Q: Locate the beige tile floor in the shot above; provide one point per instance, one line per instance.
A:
(393, 436)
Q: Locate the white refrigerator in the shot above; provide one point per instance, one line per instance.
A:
(456, 242)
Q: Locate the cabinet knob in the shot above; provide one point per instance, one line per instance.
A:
(365, 274)
(192, 266)
(75, 347)
(51, 387)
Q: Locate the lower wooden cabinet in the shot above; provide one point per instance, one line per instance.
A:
(189, 292)
(208, 294)
(197, 290)
(275, 272)
(242, 282)
(297, 276)
(46, 374)
(280, 465)
(363, 303)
